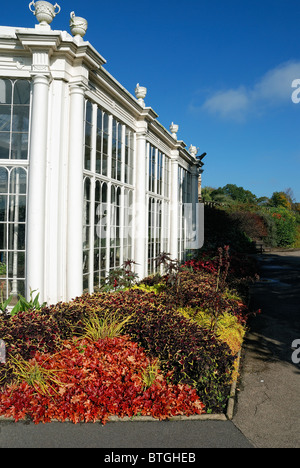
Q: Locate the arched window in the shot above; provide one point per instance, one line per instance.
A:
(14, 118)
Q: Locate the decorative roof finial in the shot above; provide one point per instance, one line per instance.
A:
(193, 150)
(140, 93)
(78, 26)
(174, 129)
(44, 11)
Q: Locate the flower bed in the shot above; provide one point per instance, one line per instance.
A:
(88, 381)
(182, 337)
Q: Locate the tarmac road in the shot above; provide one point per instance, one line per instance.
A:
(267, 411)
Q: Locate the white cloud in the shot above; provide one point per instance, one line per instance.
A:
(233, 102)
(272, 89)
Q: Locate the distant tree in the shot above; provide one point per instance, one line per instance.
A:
(290, 195)
(297, 207)
(263, 201)
(234, 193)
(280, 199)
(206, 194)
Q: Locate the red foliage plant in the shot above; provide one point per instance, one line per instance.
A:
(96, 380)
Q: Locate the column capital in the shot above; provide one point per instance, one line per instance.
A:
(142, 129)
(40, 78)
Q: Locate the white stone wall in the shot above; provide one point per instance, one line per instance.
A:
(65, 72)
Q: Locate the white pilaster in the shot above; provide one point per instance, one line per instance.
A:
(174, 207)
(141, 208)
(36, 187)
(75, 192)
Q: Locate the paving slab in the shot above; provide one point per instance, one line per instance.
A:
(268, 406)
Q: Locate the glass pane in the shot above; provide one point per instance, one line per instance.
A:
(3, 180)
(3, 257)
(85, 283)
(16, 265)
(18, 179)
(103, 259)
(21, 236)
(5, 118)
(2, 236)
(5, 91)
(89, 112)
(96, 260)
(97, 191)
(87, 158)
(105, 143)
(88, 134)
(86, 237)
(17, 210)
(4, 145)
(104, 165)
(85, 262)
(98, 162)
(20, 122)
(3, 207)
(22, 92)
(99, 142)
(16, 236)
(112, 258)
(21, 287)
(99, 120)
(104, 193)
(19, 146)
(87, 189)
(105, 123)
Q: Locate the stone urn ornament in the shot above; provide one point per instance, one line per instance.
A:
(78, 25)
(140, 94)
(174, 129)
(193, 150)
(44, 11)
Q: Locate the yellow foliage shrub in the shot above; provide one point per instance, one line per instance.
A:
(229, 330)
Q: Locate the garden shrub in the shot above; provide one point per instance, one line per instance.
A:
(252, 224)
(286, 226)
(229, 330)
(25, 333)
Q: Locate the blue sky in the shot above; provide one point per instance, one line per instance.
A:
(221, 70)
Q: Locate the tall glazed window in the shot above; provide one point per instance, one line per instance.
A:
(15, 100)
(86, 231)
(13, 195)
(108, 195)
(158, 205)
(184, 199)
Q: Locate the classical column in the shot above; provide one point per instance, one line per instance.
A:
(75, 192)
(36, 186)
(141, 208)
(174, 213)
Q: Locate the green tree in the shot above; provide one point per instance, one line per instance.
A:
(280, 199)
(234, 193)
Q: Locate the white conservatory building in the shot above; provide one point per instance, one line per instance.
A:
(88, 176)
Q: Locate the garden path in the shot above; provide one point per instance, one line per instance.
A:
(268, 407)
